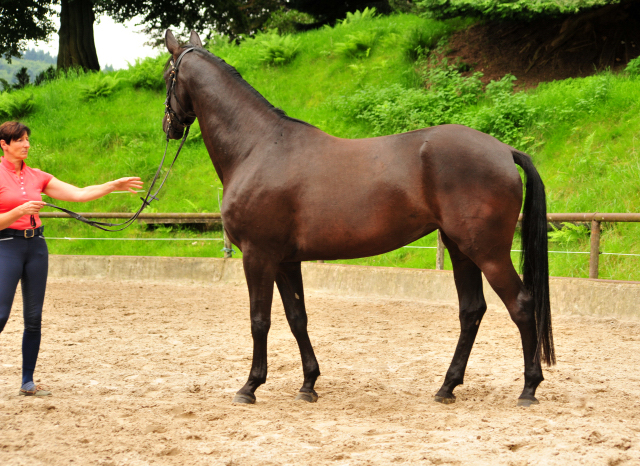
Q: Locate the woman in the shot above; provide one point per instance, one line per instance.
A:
(23, 251)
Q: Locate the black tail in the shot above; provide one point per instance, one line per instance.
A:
(534, 259)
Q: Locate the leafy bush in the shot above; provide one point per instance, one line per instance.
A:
(506, 115)
(507, 10)
(395, 109)
(44, 76)
(99, 86)
(285, 21)
(569, 233)
(418, 41)
(633, 67)
(148, 73)
(16, 105)
(357, 45)
(276, 49)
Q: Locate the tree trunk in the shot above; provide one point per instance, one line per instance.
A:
(77, 47)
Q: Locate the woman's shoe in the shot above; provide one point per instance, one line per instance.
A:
(38, 391)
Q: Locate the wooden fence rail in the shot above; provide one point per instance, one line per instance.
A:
(595, 219)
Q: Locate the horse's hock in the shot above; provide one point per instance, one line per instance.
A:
(604, 298)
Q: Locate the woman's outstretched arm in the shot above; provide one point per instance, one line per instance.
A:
(67, 192)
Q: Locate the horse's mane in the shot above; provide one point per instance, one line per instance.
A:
(235, 74)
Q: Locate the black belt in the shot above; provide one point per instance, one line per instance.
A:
(30, 233)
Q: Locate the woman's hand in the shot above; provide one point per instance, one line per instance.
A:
(31, 207)
(130, 183)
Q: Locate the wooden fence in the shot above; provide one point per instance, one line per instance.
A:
(213, 219)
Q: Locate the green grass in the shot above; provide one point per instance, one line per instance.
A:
(584, 135)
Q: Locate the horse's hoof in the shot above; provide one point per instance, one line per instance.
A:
(309, 397)
(244, 399)
(445, 400)
(528, 401)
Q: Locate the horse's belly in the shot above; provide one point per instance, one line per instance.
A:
(361, 234)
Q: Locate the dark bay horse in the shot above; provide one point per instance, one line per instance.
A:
(293, 193)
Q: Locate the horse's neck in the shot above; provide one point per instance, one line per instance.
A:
(235, 125)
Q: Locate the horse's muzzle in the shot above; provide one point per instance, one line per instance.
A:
(173, 133)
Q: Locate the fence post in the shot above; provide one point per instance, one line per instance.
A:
(594, 255)
(228, 247)
(440, 253)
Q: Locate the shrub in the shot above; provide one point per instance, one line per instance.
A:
(148, 73)
(16, 105)
(22, 76)
(506, 115)
(418, 41)
(633, 67)
(569, 233)
(44, 76)
(276, 49)
(287, 21)
(5, 85)
(99, 86)
(357, 45)
(523, 10)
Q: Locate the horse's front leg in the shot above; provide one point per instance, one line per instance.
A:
(260, 271)
(289, 281)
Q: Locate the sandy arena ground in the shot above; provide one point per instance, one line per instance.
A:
(144, 373)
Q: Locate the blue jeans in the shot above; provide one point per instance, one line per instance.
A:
(25, 260)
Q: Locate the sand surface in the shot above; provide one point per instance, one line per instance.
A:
(144, 373)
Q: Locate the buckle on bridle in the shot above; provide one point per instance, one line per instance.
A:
(33, 233)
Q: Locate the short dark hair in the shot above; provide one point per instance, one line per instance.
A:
(12, 130)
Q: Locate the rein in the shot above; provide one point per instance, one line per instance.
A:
(148, 198)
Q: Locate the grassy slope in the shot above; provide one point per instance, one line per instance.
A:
(588, 159)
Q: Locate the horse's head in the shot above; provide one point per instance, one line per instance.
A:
(178, 107)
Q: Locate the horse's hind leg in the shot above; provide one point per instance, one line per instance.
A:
(472, 308)
(289, 281)
(260, 271)
(505, 281)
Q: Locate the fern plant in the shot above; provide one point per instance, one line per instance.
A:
(276, 49)
(419, 41)
(633, 67)
(16, 105)
(358, 16)
(569, 233)
(148, 73)
(358, 45)
(101, 86)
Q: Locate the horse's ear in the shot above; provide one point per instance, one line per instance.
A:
(171, 42)
(194, 39)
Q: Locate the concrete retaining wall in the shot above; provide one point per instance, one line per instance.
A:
(606, 298)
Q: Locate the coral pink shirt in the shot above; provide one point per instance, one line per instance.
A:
(15, 190)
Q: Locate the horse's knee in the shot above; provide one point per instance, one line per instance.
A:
(471, 316)
(260, 327)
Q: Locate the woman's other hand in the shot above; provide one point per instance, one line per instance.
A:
(130, 183)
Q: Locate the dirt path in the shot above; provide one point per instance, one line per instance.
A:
(144, 373)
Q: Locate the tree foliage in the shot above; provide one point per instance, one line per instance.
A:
(232, 18)
(22, 20)
(510, 10)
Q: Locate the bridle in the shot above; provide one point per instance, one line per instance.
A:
(171, 90)
(171, 117)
